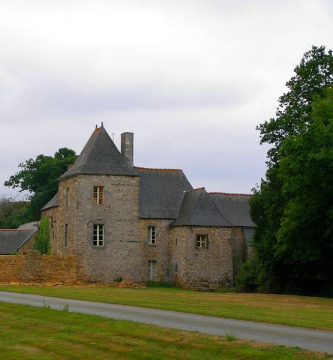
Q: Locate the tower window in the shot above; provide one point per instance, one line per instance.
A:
(98, 235)
(98, 194)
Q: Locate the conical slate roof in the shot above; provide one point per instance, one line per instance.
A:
(198, 209)
(100, 156)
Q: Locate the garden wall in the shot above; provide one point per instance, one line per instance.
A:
(37, 268)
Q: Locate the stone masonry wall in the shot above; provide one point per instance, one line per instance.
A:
(37, 268)
(206, 268)
(160, 252)
(121, 256)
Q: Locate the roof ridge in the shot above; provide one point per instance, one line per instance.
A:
(17, 229)
(197, 189)
(156, 169)
(232, 194)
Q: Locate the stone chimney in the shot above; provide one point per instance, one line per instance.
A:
(127, 147)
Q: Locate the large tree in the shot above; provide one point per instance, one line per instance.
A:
(40, 177)
(291, 207)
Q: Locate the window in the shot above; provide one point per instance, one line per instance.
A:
(151, 235)
(202, 242)
(98, 194)
(98, 235)
(151, 269)
(66, 235)
(67, 196)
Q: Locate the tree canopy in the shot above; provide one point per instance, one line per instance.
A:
(292, 208)
(40, 177)
(312, 76)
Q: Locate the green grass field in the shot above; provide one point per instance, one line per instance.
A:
(32, 333)
(301, 311)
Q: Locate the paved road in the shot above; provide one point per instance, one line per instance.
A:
(277, 334)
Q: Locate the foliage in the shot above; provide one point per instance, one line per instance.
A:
(40, 177)
(42, 243)
(12, 212)
(312, 75)
(159, 284)
(305, 237)
(292, 208)
(247, 277)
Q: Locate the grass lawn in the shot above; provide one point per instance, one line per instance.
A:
(41, 333)
(301, 311)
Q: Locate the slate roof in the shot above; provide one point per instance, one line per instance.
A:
(161, 192)
(100, 156)
(235, 207)
(12, 239)
(198, 209)
(54, 202)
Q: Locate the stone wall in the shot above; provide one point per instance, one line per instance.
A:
(202, 268)
(121, 254)
(160, 252)
(37, 268)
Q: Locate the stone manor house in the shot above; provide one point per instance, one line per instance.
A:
(132, 223)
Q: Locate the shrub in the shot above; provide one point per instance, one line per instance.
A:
(247, 279)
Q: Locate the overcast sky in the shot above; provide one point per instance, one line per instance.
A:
(192, 79)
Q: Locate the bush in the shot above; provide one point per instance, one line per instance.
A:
(247, 279)
(159, 284)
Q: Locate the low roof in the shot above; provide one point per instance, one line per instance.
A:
(100, 156)
(54, 202)
(235, 207)
(200, 208)
(12, 239)
(161, 192)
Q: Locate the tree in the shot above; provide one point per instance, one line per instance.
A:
(305, 236)
(12, 212)
(40, 177)
(312, 75)
(42, 243)
(273, 206)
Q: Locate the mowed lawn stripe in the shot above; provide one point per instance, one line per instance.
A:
(290, 310)
(41, 333)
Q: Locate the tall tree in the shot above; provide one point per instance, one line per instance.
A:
(40, 177)
(305, 237)
(271, 205)
(312, 75)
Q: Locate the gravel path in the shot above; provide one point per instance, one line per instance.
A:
(315, 340)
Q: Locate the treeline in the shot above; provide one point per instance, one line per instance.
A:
(13, 212)
(293, 206)
(40, 177)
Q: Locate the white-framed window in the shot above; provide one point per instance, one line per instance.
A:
(152, 235)
(98, 235)
(202, 241)
(98, 194)
(152, 270)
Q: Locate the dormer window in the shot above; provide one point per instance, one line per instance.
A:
(98, 194)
